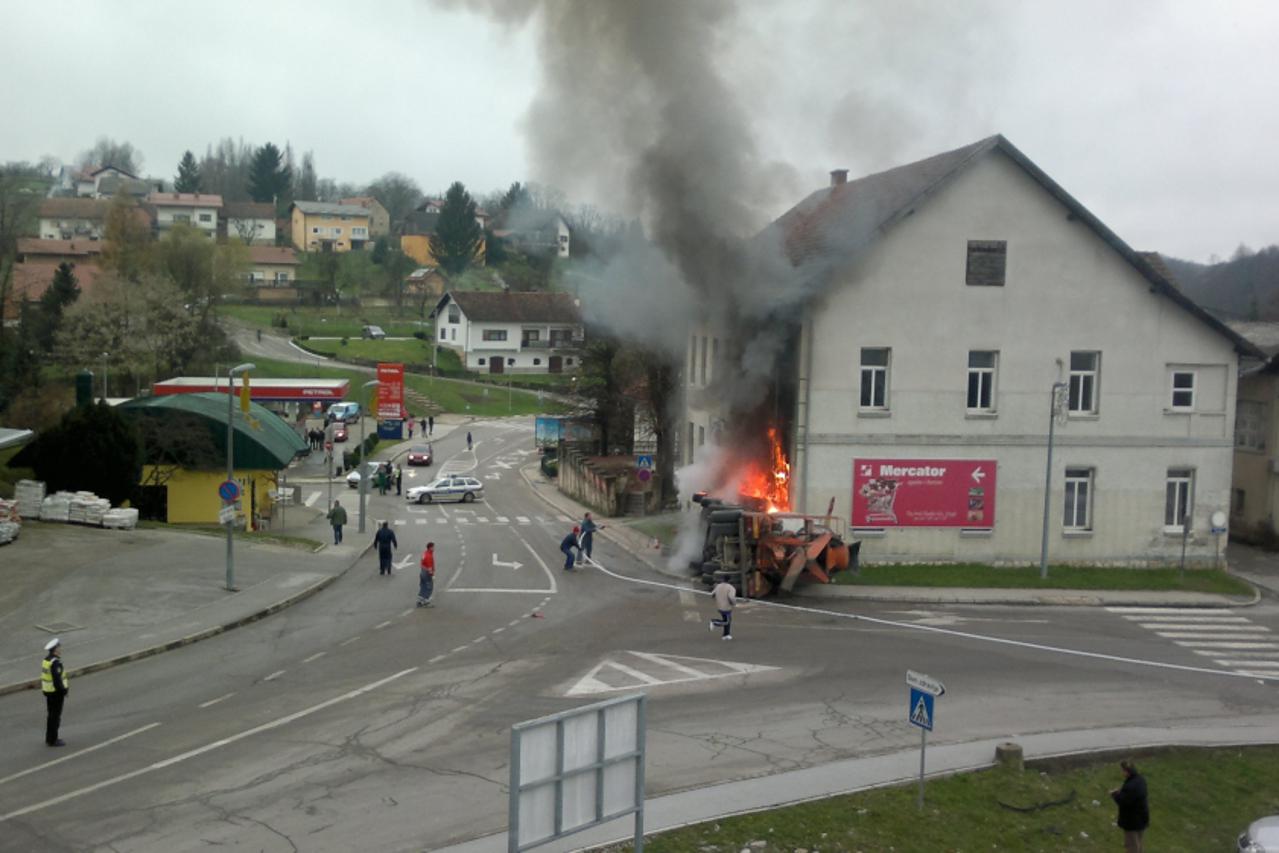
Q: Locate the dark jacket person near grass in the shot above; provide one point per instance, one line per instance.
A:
(1134, 811)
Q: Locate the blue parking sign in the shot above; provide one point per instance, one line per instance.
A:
(920, 710)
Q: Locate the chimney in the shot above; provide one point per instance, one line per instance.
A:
(838, 177)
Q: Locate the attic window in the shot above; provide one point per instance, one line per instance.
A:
(986, 262)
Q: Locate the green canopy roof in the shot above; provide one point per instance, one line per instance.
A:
(262, 440)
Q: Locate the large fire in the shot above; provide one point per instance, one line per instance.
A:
(771, 486)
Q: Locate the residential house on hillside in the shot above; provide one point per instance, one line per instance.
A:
(379, 219)
(109, 186)
(1254, 495)
(88, 182)
(275, 266)
(963, 298)
(38, 260)
(199, 210)
(419, 226)
(537, 231)
(251, 222)
(512, 332)
(319, 226)
(424, 282)
(72, 218)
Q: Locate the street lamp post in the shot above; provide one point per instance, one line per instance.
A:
(360, 466)
(230, 464)
(1054, 405)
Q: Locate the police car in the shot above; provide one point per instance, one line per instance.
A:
(464, 489)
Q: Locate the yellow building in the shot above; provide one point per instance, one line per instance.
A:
(415, 236)
(318, 226)
(186, 461)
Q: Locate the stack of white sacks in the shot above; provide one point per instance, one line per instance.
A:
(10, 521)
(87, 508)
(56, 507)
(30, 494)
(120, 518)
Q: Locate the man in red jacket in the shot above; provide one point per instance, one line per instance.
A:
(426, 581)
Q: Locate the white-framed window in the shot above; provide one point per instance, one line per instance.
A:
(453, 336)
(1078, 508)
(874, 377)
(182, 217)
(281, 278)
(206, 217)
(982, 365)
(1183, 390)
(455, 314)
(444, 334)
(1085, 369)
(359, 233)
(1179, 492)
(494, 334)
(337, 230)
(1250, 425)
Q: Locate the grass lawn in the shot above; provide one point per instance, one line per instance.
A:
(1059, 577)
(327, 320)
(662, 528)
(554, 382)
(412, 351)
(1200, 800)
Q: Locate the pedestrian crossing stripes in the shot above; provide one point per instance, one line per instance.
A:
(1229, 639)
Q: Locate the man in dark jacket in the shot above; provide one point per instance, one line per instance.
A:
(588, 537)
(567, 545)
(384, 539)
(1134, 812)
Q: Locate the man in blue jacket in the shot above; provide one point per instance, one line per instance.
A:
(570, 542)
(384, 539)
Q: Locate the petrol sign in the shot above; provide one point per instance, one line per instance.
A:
(924, 493)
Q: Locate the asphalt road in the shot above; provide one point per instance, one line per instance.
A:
(355, 721)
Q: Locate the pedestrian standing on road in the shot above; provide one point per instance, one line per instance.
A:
(1134, 810)
(54, 684)
(384, 539)
(725, 600)
(430, 425)
(337, 517)
(588, 537)
(426, 580)
(570, 542)
(468, 439)
(399, 480)
(411, 429)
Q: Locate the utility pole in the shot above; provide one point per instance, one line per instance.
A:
(105, 384)
(362, 468)
(1054, 404)
(230, 464)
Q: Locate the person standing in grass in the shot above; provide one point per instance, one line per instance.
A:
(725, 596)
(1134, 809)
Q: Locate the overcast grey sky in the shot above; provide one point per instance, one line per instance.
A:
(1159, 115)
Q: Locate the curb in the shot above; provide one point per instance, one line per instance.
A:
(98, 666)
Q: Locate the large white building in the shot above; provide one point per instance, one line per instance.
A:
(965, 291)
(199, 210)
(511, 332)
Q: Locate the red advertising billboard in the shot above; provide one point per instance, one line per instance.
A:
(923, 493)
(390, 393)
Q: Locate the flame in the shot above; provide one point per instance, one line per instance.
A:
(772, 485)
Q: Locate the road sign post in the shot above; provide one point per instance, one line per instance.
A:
(924, 691)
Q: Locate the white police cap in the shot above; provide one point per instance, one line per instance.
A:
(52, 644)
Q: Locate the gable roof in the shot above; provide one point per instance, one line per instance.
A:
(324, 208)
(184, 200)
(41, 248)
(842, 219)
(519, 307)
(248, 210)
(94, 171)
(279, 255)
(365, 201)
(268, 447)
(74, 208)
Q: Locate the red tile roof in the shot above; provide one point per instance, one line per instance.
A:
(184, 200)
(74, 208)
(58, 248)
(273, 255)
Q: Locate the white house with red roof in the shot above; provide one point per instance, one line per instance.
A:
(199, 210)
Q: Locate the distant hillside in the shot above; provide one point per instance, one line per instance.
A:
(1246, 287)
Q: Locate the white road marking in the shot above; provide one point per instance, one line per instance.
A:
(441, 521)
(399, 522)
(522, 519)
(482, 520)
(273, 676)
(1255, 664)
(1201, 626)
(1215, 645)
(379, 626)
(497, 589)
(312, 498)
(419, 521)
(499, 630)
(1191, 635)
(1155, 611)
(501, 519)
(459, 649)
(177, 759)
(437, 658)
(1168, 618)
(550, 577)
(407, 612)
(348, 642)
(1242, 654)
(633, 673)
(224, 696)
(79, 752)
(315, 656)
(591, 683)
(512, 623)
(687, 670)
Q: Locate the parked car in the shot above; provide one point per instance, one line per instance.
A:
(1261, 836)
(353, 478)
(339, 432)
(344, 412)
(464, 489)
(373, 333)
(421, 454)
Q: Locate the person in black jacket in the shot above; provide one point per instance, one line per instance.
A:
(1134, 811)
(384, 541)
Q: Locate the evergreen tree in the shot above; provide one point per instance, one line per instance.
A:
(94, 447)
(458, 235)
(269, 176)
(188, 179)
(61, 293)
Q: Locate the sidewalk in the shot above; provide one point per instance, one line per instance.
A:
(1264, 570)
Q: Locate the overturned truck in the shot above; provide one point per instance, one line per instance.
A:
(764, 552)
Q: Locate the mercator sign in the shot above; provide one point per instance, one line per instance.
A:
(923, 493)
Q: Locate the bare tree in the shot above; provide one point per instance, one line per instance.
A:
(107, 152)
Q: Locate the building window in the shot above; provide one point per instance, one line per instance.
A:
(692, 360)
(444, 334)
(453, 335)
(531, 335)
(704, 348)
(981, 380)
(1250, 425)
(1084, 369)
(1237, 497)
(281, 278)
(510, 362)
(1183, 390)
(986, 262)
(688, 457)
(1078, 511)
(568, 362)
(483, 361)
(701, 436)
(359, 233)
(537, 362)
(1178, 495)
(494, 334)
(874, 370)
(182, 217)
(455, 314)
(206, 217)
(337, 230)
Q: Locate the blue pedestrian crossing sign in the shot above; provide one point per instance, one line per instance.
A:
(644, 461)
(920, 709)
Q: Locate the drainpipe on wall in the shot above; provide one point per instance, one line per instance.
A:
(802, 416)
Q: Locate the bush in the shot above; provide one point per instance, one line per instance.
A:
(280, 321)
(420, 335)
(345, 341)
(304, 337)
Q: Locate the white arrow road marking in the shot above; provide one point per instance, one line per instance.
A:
(633, 678)
(514, 564)
(493, 476)
(403, 563)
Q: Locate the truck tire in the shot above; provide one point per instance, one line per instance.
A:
(725, 516)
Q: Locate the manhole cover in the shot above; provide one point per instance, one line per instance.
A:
(59, 627)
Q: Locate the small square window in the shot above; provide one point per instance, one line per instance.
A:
(483, 361)
(987, 260)
(1183, 389)
(537, 362)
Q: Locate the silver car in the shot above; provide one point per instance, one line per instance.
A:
(353, 478)
(1261, 836)
(464, 489)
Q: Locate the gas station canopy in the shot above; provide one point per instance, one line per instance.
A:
(260, 390)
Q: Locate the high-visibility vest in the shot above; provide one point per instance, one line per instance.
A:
(46, 677)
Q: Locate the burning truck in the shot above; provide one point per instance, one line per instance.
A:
(758, 545)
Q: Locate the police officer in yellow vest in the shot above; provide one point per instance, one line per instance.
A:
(54, 683)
